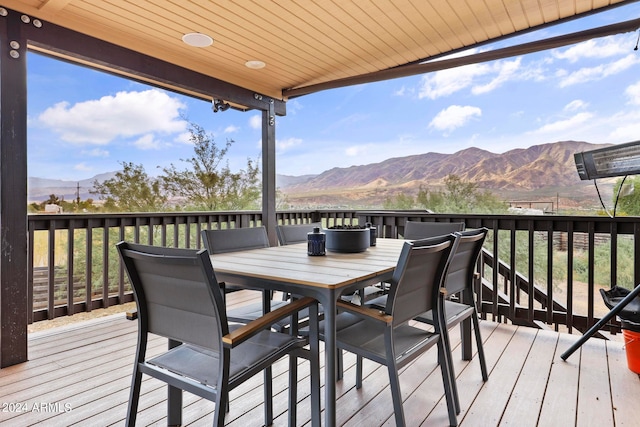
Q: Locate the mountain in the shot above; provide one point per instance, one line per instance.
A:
(540, 171)
(39, 189)
(524, 168)
(521, 174)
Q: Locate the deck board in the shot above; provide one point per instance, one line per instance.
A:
(594, 397)
(88, 367)
(525, 401)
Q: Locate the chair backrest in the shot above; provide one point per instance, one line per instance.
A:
(235, 239)
(463, 262)
(295, 233)
(418, 277)
(177, 295)
(414, 230)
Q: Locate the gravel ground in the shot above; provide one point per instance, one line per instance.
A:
(79, 317)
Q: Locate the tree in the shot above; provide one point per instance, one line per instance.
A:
(402, 201)
(131, 190)
(208, 185)
(52, 200)
(460, 196)
(629, 200)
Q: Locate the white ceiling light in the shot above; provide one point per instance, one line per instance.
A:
(256, 65)
(197, 40)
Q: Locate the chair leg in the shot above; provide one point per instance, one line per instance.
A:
(450, 389)
(396, 396)
(222, 407)
(174, 406)
(359, 372)
(481, 358)
(134, 397)
(448, 355)
(340, 364)
(268, 396)
(293, 390)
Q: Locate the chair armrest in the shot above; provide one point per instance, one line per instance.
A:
(245, 332)
(370, 313)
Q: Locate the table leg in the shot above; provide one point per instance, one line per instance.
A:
(330, 352)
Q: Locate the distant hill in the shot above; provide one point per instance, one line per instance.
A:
(523, 168)
(524, 174)
(39, 189)
(540, 171)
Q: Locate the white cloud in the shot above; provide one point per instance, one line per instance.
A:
(96, 152)
(283, 145)
(147, 142)
(629, 132)
(400, 92)
(293, 106)
(493, 75)
(353, 151)
(183, 138)
(599, 72)
(506, 70)
(255, 121)
(454, 117)
(563, 125)
(626, 126)
(595, 48)
(576, 105)
(231, 129)
(82, 167)
(447, 82)
(633, 93)
(127, 114)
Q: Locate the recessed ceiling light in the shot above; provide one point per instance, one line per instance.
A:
(197, 40)
(256, 65)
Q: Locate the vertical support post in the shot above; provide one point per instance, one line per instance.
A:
(13, 191)
(269, 172)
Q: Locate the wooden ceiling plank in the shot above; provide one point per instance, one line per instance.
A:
(490, 55)
(303, 43)
(232, 56)
(297, 64)
(54, 6)
(155, 46)
(59, 41)
(499, 12)
(234, 36)
(427, 22)
(347, 40)
(392, 40)
(493, 19)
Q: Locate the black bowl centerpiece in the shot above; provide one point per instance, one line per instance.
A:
(347, 238)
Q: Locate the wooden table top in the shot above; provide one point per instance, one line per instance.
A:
(291, 264)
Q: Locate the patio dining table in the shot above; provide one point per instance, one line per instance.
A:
(289, 269)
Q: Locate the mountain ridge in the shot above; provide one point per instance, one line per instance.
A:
(517, 171)
(522, 168)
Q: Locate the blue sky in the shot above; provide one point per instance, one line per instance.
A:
(84, 122)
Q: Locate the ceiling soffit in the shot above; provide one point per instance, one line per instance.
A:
(306, 45)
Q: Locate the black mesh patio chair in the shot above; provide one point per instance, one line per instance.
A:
(238, 239)
(414, 230)
(459, 283)
(295, 233)
(178, 297)
(387, 337)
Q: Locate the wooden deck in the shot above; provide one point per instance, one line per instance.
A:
(80, 374)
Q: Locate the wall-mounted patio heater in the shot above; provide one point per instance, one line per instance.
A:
(617, 160)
